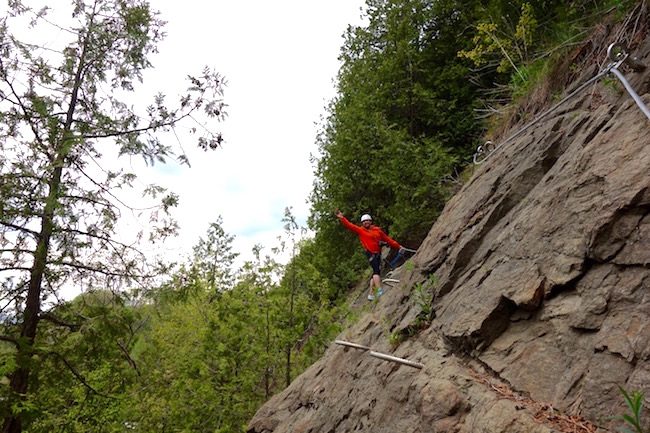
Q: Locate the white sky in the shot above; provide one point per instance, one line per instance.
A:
(279, 59)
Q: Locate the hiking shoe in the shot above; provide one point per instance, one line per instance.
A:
(371, 297)
(380, 292)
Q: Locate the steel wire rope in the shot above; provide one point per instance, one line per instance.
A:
(633, 94)
(616, 53)
(539, 117)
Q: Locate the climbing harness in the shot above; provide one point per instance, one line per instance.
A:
(380, 355)
(617, 56)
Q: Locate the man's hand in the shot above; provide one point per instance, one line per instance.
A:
(339, 214)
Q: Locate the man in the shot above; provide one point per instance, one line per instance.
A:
(371, 238)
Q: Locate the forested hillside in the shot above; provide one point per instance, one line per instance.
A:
(199, 346)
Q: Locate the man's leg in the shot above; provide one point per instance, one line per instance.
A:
(375, 281)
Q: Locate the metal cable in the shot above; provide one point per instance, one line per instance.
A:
(632, 93)
(617, 55)
(542, 115)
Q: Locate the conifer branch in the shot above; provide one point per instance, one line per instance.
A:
(19, 228)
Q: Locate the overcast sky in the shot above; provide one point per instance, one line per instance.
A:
(279, 59)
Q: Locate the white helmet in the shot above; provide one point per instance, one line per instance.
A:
(366, 217)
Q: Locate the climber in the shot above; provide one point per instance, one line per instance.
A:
(371, 237)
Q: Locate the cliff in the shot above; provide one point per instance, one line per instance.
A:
(538, 272)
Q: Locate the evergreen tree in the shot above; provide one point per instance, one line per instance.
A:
(61, 110)
(214, 258)
(86, 366)
(401, 123)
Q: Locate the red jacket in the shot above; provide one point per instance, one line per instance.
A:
(371, 237)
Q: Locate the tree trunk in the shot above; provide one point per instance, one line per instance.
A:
(20, 378)
(19, 383)
(289, 342)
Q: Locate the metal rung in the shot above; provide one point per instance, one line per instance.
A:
(380, 355)
(354, 345)
(396, 359)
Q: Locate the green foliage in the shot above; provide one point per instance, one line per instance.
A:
(612, 84)
(214, 257)
(189, 358)
(200, 364)
(511, 44)
(209, 361)
(401, 122)
(521, 41)
(634, 402)
(423, 296)
(529, 77)
(394, 339)
(79, 377)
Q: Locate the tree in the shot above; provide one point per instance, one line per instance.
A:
(290, 228)
(260, 276)
(201, 365)
(401, 123)
(62, 109)
(214, 257)
(83, 376)
(307, 320)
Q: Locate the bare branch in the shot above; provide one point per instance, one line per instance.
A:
(53, 319)
(16, 250)
(20, 228)
(130, 360)
(78, 375)
(14, 293)
(106, 239)
(104, 271)
(104, 189)
(151, 127)
(43, 18)
(9, 340)
(21, 176)
(89, 200)
(16, 268)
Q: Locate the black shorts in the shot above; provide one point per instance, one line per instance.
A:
(375, 262)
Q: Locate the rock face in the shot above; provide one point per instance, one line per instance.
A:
(538, 278)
